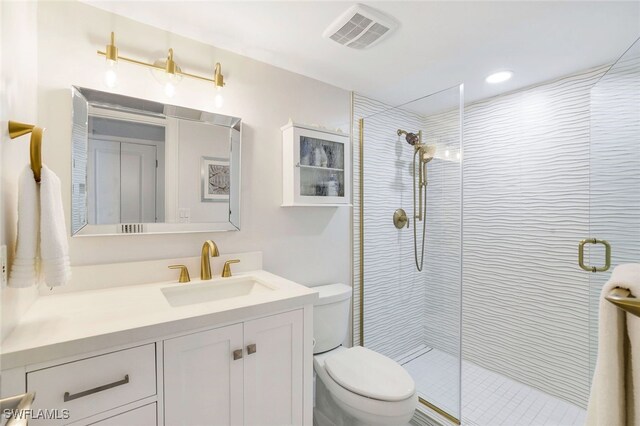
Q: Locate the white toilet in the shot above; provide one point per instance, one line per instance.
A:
(354, 386)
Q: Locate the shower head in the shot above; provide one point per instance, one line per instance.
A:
(427, 152)
(411, 138)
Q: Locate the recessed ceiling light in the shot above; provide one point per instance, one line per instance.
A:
(499, 77)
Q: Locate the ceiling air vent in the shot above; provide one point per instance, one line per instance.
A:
(360, 27)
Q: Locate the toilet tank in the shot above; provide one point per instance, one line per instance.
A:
(331, 316)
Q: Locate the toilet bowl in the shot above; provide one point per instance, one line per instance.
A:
(354, 386)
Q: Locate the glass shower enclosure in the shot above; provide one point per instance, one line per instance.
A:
(407, 217)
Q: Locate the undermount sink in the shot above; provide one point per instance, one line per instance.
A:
(209, 291)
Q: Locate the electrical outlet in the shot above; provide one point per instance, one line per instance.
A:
(3, 265)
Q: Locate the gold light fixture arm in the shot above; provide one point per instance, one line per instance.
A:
(111, 51)
(170, 66)
(17, 129)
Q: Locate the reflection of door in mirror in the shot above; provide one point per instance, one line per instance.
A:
(125, 183)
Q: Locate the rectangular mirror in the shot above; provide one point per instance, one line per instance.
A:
(140, 166)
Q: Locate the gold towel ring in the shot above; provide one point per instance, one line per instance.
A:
(17, 129)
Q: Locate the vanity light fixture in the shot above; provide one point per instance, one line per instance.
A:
(166, 70)
(168, 73)
(111, 63)
(218, 81)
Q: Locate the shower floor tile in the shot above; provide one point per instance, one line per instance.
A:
(488, 398)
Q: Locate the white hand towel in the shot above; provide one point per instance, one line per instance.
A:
(54, 245)
(615, 390)
(24, 271)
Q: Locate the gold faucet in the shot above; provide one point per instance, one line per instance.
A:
(209, 249)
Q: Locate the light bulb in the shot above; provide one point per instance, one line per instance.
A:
(169, 89)
(111, 74)
(218, 100)
(446, 153)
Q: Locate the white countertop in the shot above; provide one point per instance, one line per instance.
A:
(68, 324)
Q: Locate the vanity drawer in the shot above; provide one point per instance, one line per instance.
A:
(142, 416)
(94, 385)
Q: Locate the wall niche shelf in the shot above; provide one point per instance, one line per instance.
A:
(316, 167)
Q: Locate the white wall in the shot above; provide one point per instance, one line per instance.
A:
(308, 245)
(18, 97)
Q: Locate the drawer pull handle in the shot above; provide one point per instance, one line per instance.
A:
(69, 397)
(237, 354)
(251, 349)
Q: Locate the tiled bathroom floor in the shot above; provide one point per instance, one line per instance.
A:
(488, 398)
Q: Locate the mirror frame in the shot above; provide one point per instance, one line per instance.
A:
(156, 109)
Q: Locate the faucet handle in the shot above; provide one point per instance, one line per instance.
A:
(226, 270)
(184, 273)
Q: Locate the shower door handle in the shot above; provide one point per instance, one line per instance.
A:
(607, 255)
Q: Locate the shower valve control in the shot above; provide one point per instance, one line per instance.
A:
(400, 219)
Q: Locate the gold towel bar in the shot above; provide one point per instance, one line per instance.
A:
(17, 129)
(621, 297)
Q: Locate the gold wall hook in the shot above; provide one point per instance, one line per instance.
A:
(17, 129)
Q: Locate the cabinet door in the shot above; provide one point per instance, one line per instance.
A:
(321, 175)
(273, 375)
(202, 381)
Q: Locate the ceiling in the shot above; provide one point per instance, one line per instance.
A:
(438, 44)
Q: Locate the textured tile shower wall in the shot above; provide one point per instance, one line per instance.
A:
(395, 319)
(615, 170)
(526, 205)
(394, 290)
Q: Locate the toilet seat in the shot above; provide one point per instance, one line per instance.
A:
(370, 374)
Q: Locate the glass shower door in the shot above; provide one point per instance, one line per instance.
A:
(409, 315)
(614, 215)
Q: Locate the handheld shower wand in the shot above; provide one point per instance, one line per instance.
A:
(422, 154)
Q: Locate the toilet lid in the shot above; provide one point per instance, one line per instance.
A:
(370, 374)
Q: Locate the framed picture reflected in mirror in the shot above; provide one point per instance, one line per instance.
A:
(216, 180)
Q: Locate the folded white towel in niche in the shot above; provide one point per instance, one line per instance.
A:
(24, 270)
(54, 245)
(615, 389)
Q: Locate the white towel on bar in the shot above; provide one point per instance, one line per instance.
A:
(54, 245)
(24, 271)
(615, 390)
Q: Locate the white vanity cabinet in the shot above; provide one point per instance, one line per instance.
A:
(316, 166)
(249, 373)
(202, 381)
(93, 386)
(240, 360)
